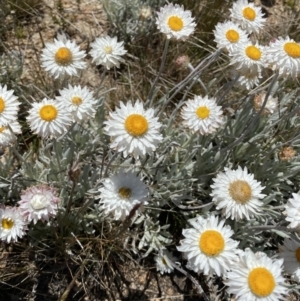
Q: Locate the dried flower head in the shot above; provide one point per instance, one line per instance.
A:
(287, 153)
(145, 12)
(271, 104)
(182, 62)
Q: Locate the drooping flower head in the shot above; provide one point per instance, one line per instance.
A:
(121, 193)
(39, 203)
(49, 118)
(9, 106)
(164, 261)
(228, 35)
(80, 101)
(292, 210)
(12, 224)
(7, 133)
(256, 277)
(175, 22)
(107, 51)
(208, 246)
(133, 129)
(247, 16)
(202, 114)
(237, 193)
(63, 57)
(290, 253)
(249, 80)
(283, 55)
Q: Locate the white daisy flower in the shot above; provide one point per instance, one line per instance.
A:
(256, 277)
(7, 133)
(175, 22)
(12, 224)
(121, 193)
(284, 55)
(208, 246)
(290, 252)
(249, 80)
(292, 210)
(63, 57)
(133, 129)
(9, 106)
(49, 118)
(107, 51)
(271, 104)
(80, 101)
(237, 193)
(39, 203)
(248, 59)
(248, 16)
(202, 114)
(164, 261)
(228, 35)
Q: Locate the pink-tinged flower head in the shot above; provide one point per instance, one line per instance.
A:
(39, 203)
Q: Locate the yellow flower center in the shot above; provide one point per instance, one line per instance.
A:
(203, 112)
(2, 129)
(211, 243)
(63, 56)
(108, 49)
(7, 223)
(48, 112)
(77, 101)
(249, 13)
(175, 23)
(232, 36)
(292, 49)
(2, 105)
(136, 125)
(124, 193)
(261, 282)
(297, 254)
(240, 191)
(253, 53)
